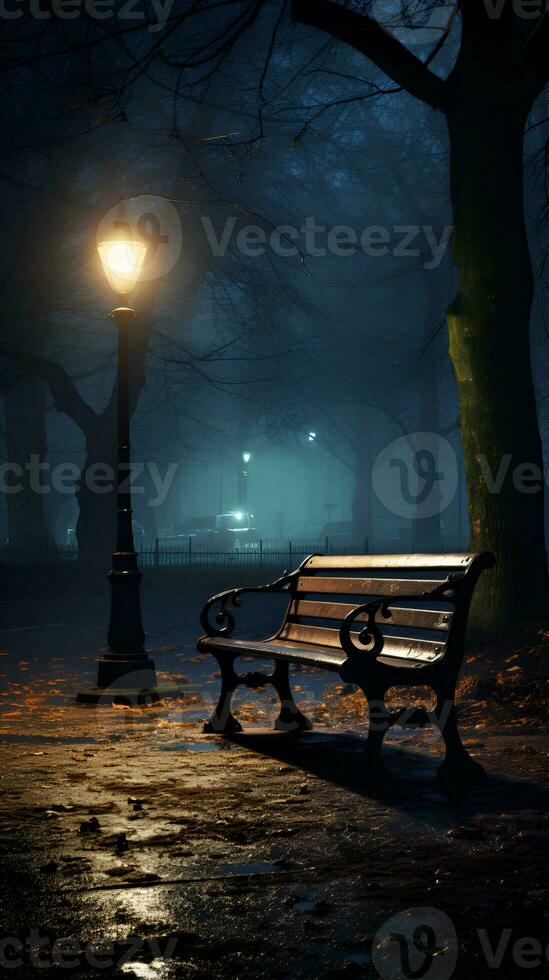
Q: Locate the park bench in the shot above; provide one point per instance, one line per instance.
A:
(410, 631)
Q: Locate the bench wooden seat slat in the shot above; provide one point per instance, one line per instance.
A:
(329, 658)
(365, 586)
(389, 561)
(315, 655)
(428, 619)
(407, 648)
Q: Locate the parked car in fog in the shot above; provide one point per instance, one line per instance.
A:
(237, 528)
(222, 532)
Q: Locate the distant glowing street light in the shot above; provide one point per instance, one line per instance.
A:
(243, 482)
(311, 437)
(126, 670)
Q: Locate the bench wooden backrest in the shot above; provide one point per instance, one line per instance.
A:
(330, 587)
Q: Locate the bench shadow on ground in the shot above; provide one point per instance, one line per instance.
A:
(337, 758)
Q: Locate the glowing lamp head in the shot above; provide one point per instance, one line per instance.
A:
(312, 436)
(246, 457)
(238, 516)
(122, 263)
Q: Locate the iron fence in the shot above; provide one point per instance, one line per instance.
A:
(263, 553)
(162, 554)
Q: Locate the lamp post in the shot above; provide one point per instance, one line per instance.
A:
(126, 673)
(243, 483)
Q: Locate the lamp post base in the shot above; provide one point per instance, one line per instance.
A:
(125, 675)
(130, 697)
(130, 669)
(129, 680)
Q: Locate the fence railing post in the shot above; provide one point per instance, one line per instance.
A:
(326, 545)
(190, 550)
(156, 555)
(261, 552)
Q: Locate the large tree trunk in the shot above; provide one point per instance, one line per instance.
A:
(25, 407)
(489, 322)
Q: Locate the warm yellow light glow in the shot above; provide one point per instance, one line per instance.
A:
(122, 263)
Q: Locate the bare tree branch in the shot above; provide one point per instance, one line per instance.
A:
(63, 390)
(364, 34)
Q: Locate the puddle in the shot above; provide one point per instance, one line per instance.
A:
(254, 868)
(305, 906)
(190, 746)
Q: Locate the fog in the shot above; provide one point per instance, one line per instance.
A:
(297, 281)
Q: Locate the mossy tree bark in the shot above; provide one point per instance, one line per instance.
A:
(489, 324)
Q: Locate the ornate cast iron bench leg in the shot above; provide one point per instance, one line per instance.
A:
(459, 771)
(222, 720)
(290, 718)
(373, 771)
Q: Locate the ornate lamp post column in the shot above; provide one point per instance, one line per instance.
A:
(126, 673)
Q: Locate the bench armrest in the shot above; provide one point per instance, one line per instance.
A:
(371, 636)
(230, 600)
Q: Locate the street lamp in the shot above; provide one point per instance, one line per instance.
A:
(243, 482)
(126, 672)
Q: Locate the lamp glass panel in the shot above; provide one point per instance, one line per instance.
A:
(122, 263)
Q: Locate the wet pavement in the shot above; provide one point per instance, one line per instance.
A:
(133, 845)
